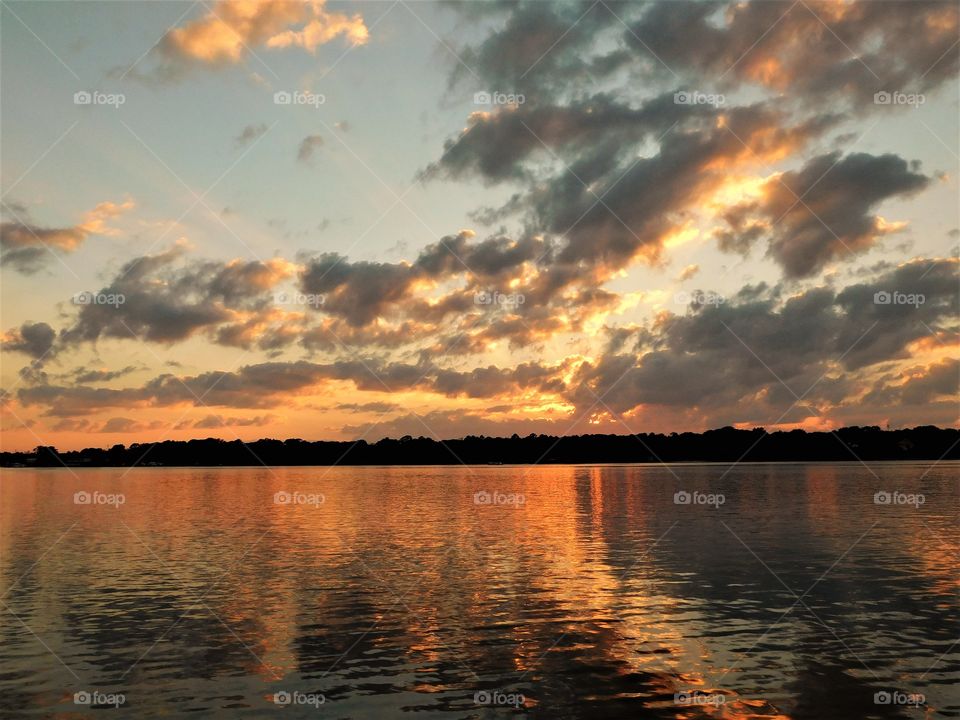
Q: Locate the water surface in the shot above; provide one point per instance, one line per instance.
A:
(779, 591)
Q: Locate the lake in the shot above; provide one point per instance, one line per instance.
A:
(683, 591)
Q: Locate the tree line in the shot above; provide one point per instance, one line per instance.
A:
(722, 445)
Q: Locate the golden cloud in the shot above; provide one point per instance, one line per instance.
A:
(233, 27)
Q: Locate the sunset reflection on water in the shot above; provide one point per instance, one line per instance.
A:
(586, 590)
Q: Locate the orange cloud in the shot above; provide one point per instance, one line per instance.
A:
(234, 27)
(25, 246)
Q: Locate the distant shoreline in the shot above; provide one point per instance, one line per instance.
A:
(724, 445)
(654, 464)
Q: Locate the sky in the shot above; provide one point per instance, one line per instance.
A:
(259, 218)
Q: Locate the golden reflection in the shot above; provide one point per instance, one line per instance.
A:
(406, 568)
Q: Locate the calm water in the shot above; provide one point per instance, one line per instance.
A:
(779, 591)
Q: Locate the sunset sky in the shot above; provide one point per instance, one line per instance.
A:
(475, 218)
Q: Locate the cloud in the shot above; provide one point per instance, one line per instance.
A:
(234, 28)
(752, 357)
(126, 425)
(919, 385)
(308, 146)
(612, 177)
(165, 301)
(33, 339)
(249, 134)
(219, 421)
(27, 247)
(741, 361)
(270, 384)
(609, 184)
(540, 48)
(357, 291)
(824, 211)
(845, 51)
(373, 407)
(83, 375)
